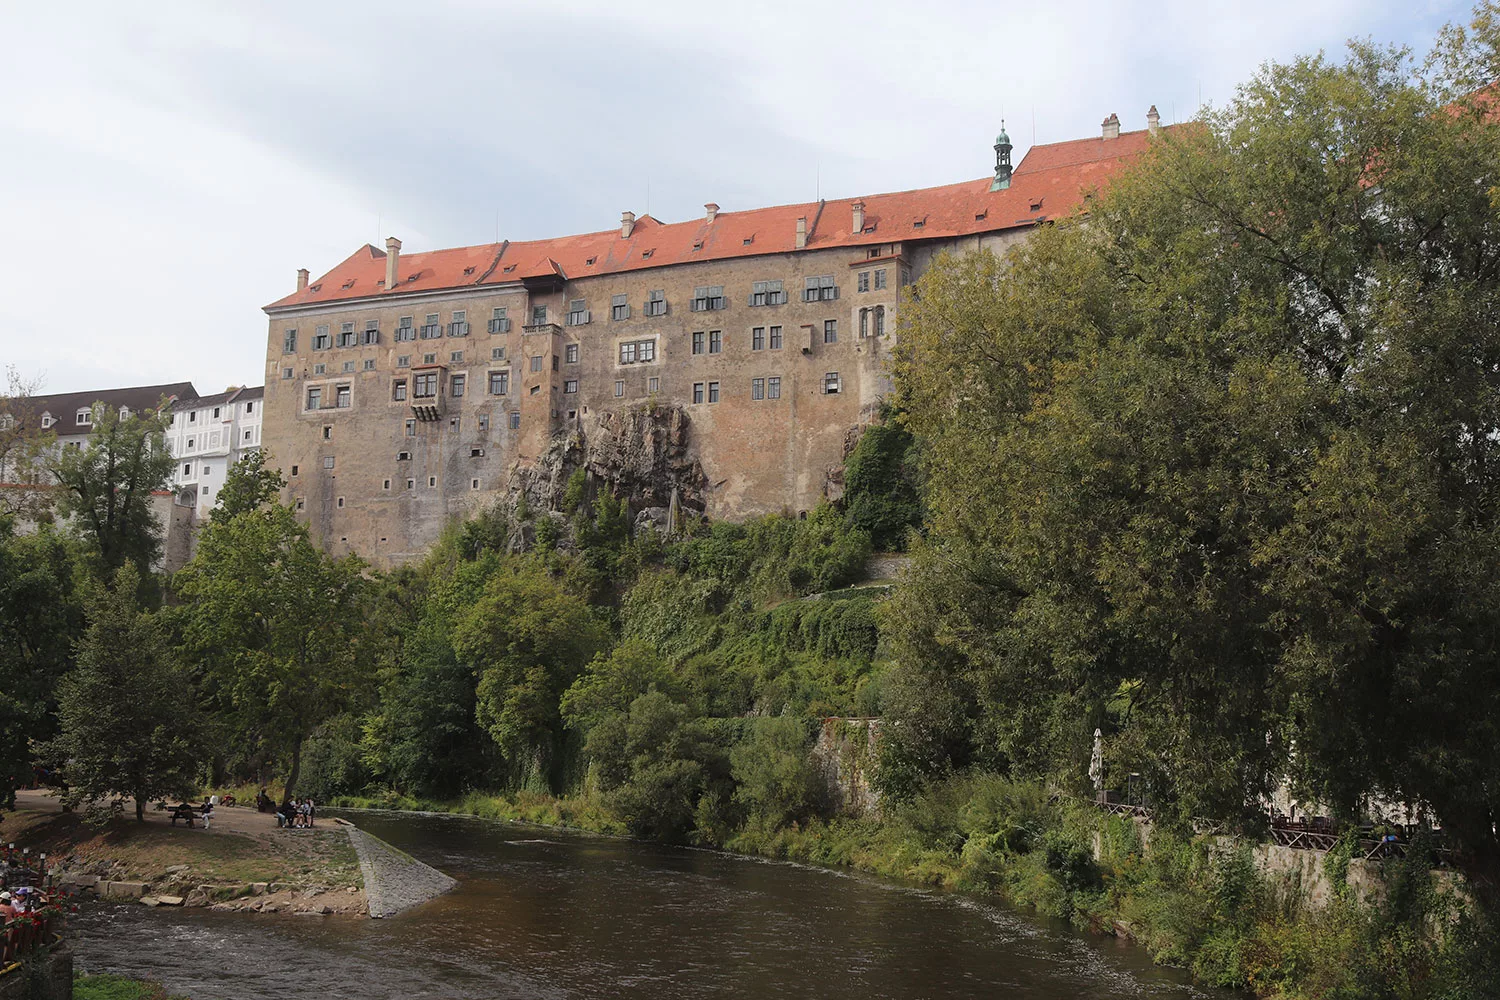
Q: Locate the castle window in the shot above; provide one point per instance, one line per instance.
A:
(863, 284)
(424, 385)
(287, 373)
(879, 278)
(498, 322)
(767, 293)
(698, 342)
(499, 383)
(322, 339)
(484, 421)
(757, 388)
(301, 504)
(460, 325)
(831, 383)
(474, 483)
(314, 401)
(411, 428)
(570, 385)
(775, 338)
(830, 331)
(645, 350)
(404, 330)
(497, 354)
(327, 433)
(864, 323)
(327, 461)
(403, 361)
(318, 369)
(619, 307)
(431, 482)
(708, 298)
(385, 485)
(536, 362)
(773, 387)
(697, 392)
(429, 359)
(346, 335)
(880, 321)
(716, 342)
(342, 397)
(348, 367)
(455, 357)
(538, 315)
(627, 354)
(432, 329)
(339, 503)
(713, 392)
(187, 470)
(578, 312)
(758, 338)
(571, 353)
(653, 384)
(619, 389)
(289, 342)
(403, 456)
(294, 470)
(371, 336)
(515, 420)
(820, 289)
(656, 302)
(411, 484)
(456, 385)
(369, 364)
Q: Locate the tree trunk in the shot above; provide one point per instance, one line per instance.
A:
(140, 809)
(291, 779)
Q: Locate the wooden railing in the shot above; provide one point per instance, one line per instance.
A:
(25, 935)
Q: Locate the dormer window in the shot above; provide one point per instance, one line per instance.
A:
(47, 420)
(85, 417)
(124, 413)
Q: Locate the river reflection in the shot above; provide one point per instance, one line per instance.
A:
(544, 914)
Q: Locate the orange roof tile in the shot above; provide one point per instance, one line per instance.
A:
(1053, 177)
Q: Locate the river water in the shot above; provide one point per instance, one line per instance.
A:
(543, 914)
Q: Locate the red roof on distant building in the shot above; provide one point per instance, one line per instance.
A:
(1050, 182)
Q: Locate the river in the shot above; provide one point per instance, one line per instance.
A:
(543, 914)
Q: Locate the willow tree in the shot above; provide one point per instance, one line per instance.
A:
(1218, 467)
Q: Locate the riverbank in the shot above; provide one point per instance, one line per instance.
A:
(242, 862)
(1203, 904)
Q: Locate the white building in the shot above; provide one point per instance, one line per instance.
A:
(207, 436)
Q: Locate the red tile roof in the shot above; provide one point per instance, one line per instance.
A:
(1054, 177)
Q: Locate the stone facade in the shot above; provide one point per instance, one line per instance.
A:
(405, 392)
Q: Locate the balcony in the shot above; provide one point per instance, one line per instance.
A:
(427, 408)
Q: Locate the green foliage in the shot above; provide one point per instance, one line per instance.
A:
(527, 640)
(128, 722)
(881, 496)
(275, 626)
(106, 486)
(655, 762)
(776, 779)
(113, 987)
(1217, 470)
(574, 493)
(248, 485)
(609, 684)
(40, 614)
(333, 759)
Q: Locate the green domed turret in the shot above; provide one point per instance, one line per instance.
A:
(1002, 160)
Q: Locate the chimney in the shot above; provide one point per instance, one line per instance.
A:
(859, 217)
(1153, 120)
(301, 279)
(392, 259)
(713, 212)
(801, 232)
(627, 224)
(1112, 126)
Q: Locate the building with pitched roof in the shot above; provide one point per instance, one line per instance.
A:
(208, 434)
(724, 363)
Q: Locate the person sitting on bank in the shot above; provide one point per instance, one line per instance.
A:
(208, 810)
(183, 811)
(263, 802)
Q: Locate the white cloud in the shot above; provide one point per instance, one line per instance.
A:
(168, 166)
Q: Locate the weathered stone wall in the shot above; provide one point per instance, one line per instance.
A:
(394, 881)
(845, 755)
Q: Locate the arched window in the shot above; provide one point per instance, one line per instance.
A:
(864, 323)
(880, 321)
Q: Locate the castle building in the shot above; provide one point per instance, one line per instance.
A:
(208, 434)
(737, 355)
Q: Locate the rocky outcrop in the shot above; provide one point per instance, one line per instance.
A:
(845, 755)
(643, 455)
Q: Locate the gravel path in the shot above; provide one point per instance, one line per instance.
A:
(394, 881)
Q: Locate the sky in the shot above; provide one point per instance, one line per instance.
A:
(166, 167)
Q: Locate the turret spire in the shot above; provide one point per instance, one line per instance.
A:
(1002, 160)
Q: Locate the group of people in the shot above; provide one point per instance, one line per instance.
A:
(291, 814)
(189, 812)
(19, 902)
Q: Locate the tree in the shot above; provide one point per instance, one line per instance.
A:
(40, 617)
(773, 766)
(276, 626)
(610, 683)
(880, 484)
(654, 761)
(22, 448)
(527, 640)
(127, 714)
(248, 485)
(107, 485)
(1219, 469)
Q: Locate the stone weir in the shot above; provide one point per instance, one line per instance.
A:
(394, 881)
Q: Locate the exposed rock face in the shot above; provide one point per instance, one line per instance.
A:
(643, 454)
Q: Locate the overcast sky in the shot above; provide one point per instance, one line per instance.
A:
(166, 167)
